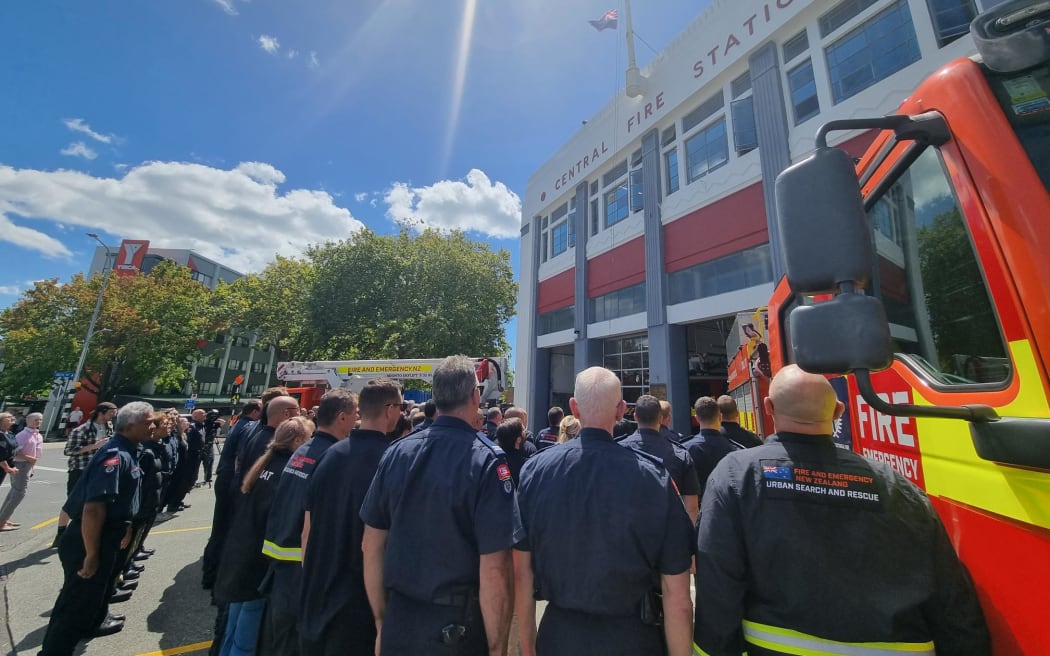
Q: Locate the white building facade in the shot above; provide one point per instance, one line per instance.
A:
(652, 228)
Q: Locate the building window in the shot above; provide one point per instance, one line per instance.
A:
(745, 131)
(260, 367)
(667, 141)
(557, 320)
(621, 303)
(951, 18)
(202, 278)
(559, 230)
(872, 52)
(726, 274)
(740, 85)
(544, 238)
(843, 13)
(571, 221)
(804, 102)
(671, 164)
(706, 150)
(795, 46)
(235, 365)
(706, 110)
(636, 182)
(628, 358)
(616, 195)
(207, 389)
(596, 216)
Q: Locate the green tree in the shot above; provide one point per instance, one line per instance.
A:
(405, 296)
(273, 302)
(149, 326)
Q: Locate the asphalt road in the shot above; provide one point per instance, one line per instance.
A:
(168, 614)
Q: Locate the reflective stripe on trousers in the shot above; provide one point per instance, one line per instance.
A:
(277, 552)
(801, 644)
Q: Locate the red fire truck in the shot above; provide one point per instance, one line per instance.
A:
(918, 280)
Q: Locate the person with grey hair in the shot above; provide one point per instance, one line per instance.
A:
(30, 448)
(619, 510)
(450, 489)
(101, 507)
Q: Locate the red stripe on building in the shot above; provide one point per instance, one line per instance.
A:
(732, 224)
(858, 145)
(556, 292)
(621, 267)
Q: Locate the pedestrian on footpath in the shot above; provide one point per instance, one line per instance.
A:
(29, 449)
(8, 445)
(80, 447)
(101, 509)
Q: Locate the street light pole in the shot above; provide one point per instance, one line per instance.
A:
(98, 308)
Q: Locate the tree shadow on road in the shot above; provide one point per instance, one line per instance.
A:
(185, 614)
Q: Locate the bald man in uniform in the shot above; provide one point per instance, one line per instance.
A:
(806, 546)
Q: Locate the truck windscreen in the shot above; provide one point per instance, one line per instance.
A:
(1025, 99)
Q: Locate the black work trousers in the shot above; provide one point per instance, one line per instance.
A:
(414, 627)
(208, 459)
(351, 633)
(569, 632)
(221, 519)
(279, 635)
(82, 603)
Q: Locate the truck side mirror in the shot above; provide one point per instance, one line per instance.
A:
(823, 227)
(839, 336)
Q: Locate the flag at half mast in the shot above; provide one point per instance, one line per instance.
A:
(608, 20)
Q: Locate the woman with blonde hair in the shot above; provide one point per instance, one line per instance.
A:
(243, 564)
(568, 429)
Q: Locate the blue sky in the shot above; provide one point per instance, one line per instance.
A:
(244, 128)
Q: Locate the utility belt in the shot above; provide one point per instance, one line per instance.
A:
(455, 635)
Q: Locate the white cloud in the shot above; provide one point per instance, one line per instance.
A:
(10, 290)
(314, 62)
(120, 167)
(361, 197)
(474, 204)
(78, 125)
(79, 149)
(227, 6)
(269, 43)
(238, 217)
(292, 54)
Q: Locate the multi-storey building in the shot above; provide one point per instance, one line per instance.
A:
(652, 228)
(225, 356)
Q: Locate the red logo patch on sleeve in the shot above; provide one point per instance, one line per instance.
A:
(503, 471)
(112, 462)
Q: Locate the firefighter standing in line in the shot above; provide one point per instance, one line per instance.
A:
(440, 520)
(807, 548)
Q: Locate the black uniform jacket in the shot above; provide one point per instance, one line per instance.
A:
(803, 545)
(243, 563)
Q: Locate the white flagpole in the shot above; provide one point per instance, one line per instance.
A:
(634, 76)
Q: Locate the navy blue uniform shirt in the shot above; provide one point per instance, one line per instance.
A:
(547, 438)
(707, 448)
(603, 523)
(112, 476)
(675, 458)
(284, 529)
(333, 567)
(446, 497)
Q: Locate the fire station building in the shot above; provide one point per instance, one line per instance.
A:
(647, 233)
